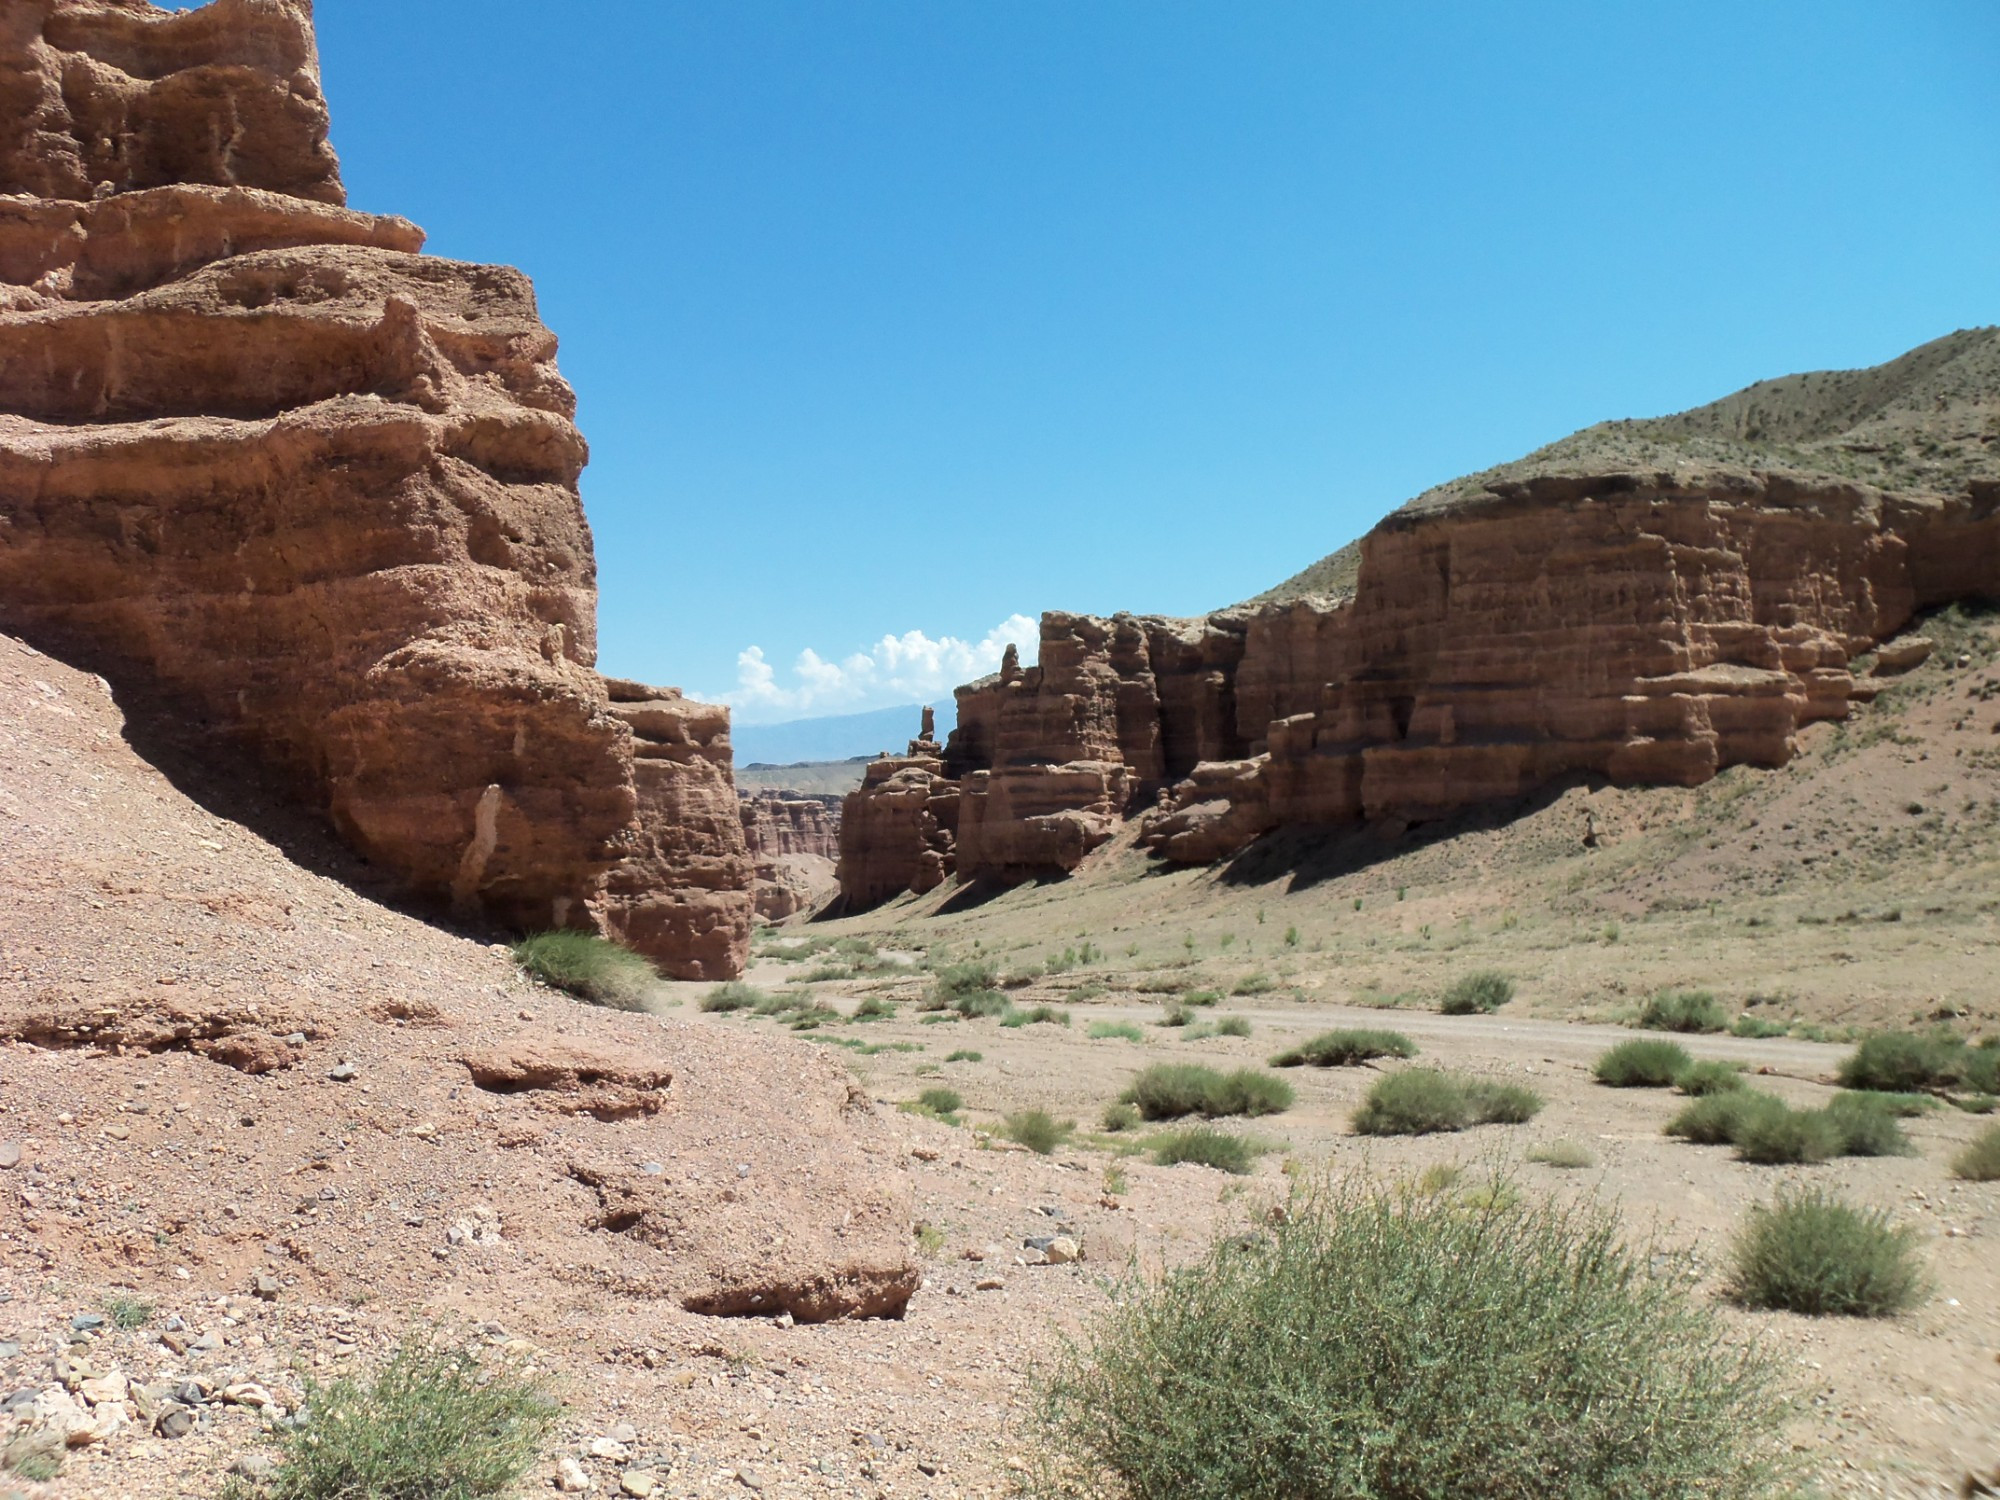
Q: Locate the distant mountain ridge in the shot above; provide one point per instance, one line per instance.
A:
(835, 736)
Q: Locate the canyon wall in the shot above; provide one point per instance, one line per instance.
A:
(1648, 621)
(259, 455)
(794, 843)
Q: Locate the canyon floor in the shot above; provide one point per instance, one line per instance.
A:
(260, 1230)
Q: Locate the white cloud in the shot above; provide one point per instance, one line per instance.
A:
(907, 668)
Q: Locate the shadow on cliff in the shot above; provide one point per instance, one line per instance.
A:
(216, 769)
(1304, 855)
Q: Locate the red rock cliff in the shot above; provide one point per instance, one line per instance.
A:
(794, 842)
(1646, 601)
(258, 453)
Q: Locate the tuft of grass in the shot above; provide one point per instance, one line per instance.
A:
(965, 1054)
(588, 966)
(1254, 984)
(1120, 1117)
(1642, 1063)
(1716, 1119)
(1205, 1146)
(930, 1240)
(1175, 1014)
(1922, 1062)
(1767, 1131)
(1345, 1049)
(1232, 1026)
(973, 1004)
(1568, 1155)
(1783, 1136)
(1170, 1091)
(1757, 1027)
(1711, 1077)
(1037, 1129)
(1812, 1253)
(1478, 993)
(127, 1312)
(1405, 1347)
(1201, 997)
(1980, 1161)
(1424, 1101)
(1034, 1015)
(735, 995)
(1684, 1011)
(1867, 1128)
(941, 1101)
(874, 1008)
(436, 1424)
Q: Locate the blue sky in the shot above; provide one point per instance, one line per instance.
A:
(895, 322)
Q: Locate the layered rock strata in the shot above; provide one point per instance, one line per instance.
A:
(1645, 602)
(794, 844)
(260, 455)
(899, 828)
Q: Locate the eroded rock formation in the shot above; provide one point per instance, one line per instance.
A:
(259, 454)
(794, 843)
(899, 829)
(1647, 601)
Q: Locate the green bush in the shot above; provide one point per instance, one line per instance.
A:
(1757, 1027)
(735, 995)
(1346, 1048)
(1908, 1062)
(1710, 1077)
(1120, 1117)
(1717, 1119)
(1122, 1031)
(1903, 1106)
(1980, 1161)
(1175, 1014)
(1811, 1253)
(1232, 1026)
(1643, 1063)
(1206, 1147)
(1201, 997)
(956, 985)
(1479, 993)
(1037, 1129)
(1422, 1101)
(1867, 1128)
(965, 1054)
(1034, 1015)
(1170, 1091)
(1684, 1010)
(435, 1424)
(940, 1101)
(874, 1009)
(589, 967)
(1254, 984)
(1402, 1346)
(1784, 1136)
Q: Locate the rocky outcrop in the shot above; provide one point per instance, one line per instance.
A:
(794, 843)
(260, 455)
(899, 829)
(1644, 602)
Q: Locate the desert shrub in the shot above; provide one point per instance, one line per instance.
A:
(1123, 1031)
(1119, 1117)
(1207, 1147)
(1717, 1119)
(1811, 1253)
(813, 1016)
(1866, 1128)
(1343, 1049)
(940, 1101)
(1034, 1015)
(975, 1003)
(1567, 1155)
(874, 1008)
(589, 967)
(1407, 1347)
(436, 1424)
(1911, 1062)
(1478, 993)
(1254, 984)
(735, 995)
(1684, 1010)
(1902, 1106)
(954, 982)
(1642, 1063)
(1783, 1136)
(1709, 1077)
(1976, 1104)
(1232, 1026)
(825, 973)
(1422, 1101)
(1201, 997)
(1175, 1014)
(1757, 1027)
(1170, 1091)
(965, 1054)
(128, 1311)
(1036, 1129)
(1980, 1161)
